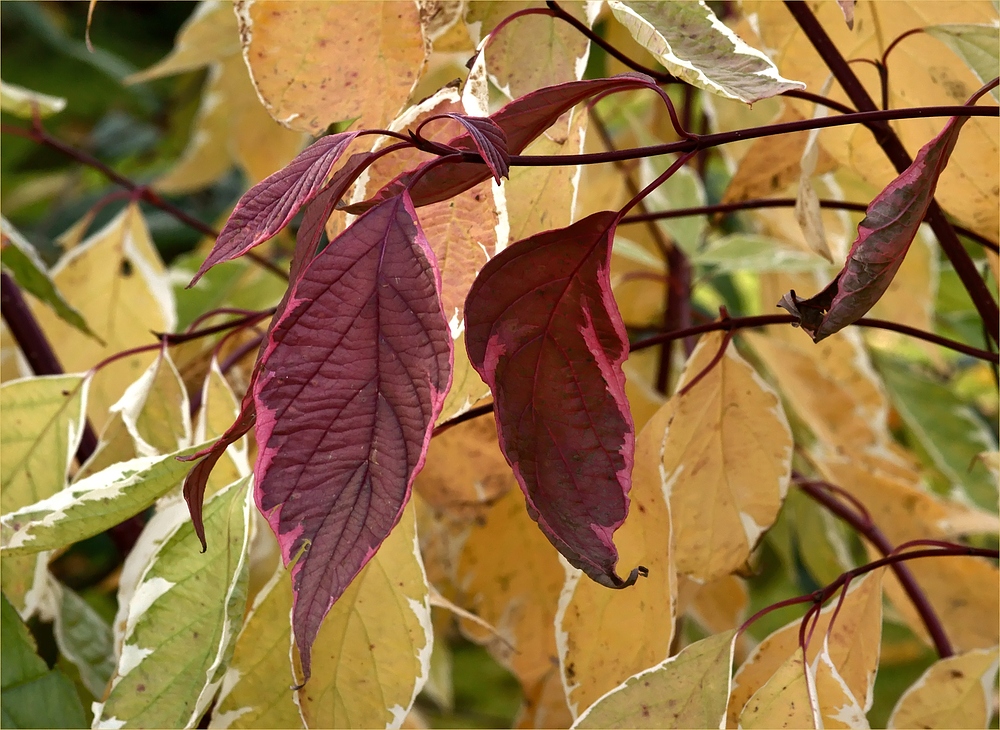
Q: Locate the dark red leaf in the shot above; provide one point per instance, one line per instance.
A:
(353, 375)
(884, 237)
(522, 120)
(269, 205)
(544, 332)
(490, 142)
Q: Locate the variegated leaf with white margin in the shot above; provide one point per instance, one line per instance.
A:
(24, 103)
(807, 208)
(219, 408)
(690, 689)
(697, 47)
(958, 691)
(255, 689)
(838, 706)
(373, 652)
(976, 44)
(182, 620)
(92, 505)
(155, 409)
(85, 639)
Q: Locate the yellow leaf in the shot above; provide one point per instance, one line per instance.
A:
(686, 690)
(643, 399)
(219, 408)
(12, 362)
(467, 388)
(852, 645)
(372, 654)
(314, 63)
(838, 707)
(726, 461)
(957, 691)
(115, 445)
(256, 689)
(510, 576)
(117, 282)
(968, 184)
(718, 605)
(22, 102)
(786, 700)
(155, 409)
(545, 704)
(597, 627)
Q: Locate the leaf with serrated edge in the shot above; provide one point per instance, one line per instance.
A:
(255, 689)
(696, 46)
(377, 636)
(508, 575)
(853, 646)
(957, 691)
(116, 280)
(726, 461)
(591, 666)
(91, 505)
(182, 621)
(315, 63)
(689, 689)
(43, 422)
(21, 259)
(343, 422)
(543, 331)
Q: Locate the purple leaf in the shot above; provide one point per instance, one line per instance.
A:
(490, 142)
(884, 237)
(352, 377)
(269, 205)
(522, 120)
(545, 334)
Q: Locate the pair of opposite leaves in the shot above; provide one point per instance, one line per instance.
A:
(357, 360)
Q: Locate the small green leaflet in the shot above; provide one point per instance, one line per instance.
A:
(21, 260)
(92, 505)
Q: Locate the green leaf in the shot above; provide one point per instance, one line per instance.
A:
(697, 47)
(690, 689)
(42, 423)
(180, 623)
(32, 694)
(22, 102)
(974, 44)
(21, 259)
(155, 409)
(92, 505)
(85, 639)
(749, 252)
(948, 431)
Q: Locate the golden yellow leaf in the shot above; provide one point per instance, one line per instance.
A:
(785, 700)
(117, 282)
(155, 409)
(467, 388)
(315, 63)
(219, 408)
(372, 654)
(510, 576)
(545, 704)
(726, 461)
(852, 645)
(12, 362)
(718, 605)
(957, 691)
(256, 689)
(686, 690)
(968, 185)
(597, 628)
(838, 707)
(643, 399)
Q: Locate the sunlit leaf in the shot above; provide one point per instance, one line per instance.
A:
(975, 44)
(24, 103)
(786, 700)
(957, 691)
(155, 409)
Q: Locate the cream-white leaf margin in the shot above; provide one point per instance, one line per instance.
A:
(134, 399)
(697, 47)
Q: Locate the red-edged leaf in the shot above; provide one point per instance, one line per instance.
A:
(884, 237)
(543, 331)
(353, 375)
(197, 478)
(490, 142)
(522, 120)
(269, 205)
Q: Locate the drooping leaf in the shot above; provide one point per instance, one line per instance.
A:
(954, 692)
(884, 236)
(220, 407)
(975, 44)
(271, 204)
(21, 259)
(731, 425)
(33, 695)
(847, 7)
(372, 653)
(543, 331)
(690, 689)
(490, 143)
(522, 120)
(24, 103)
(344, 419)
(696, 46)
(116, 280)
(91, 505)
(313, 63)
(597, 627)
(182, 620)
